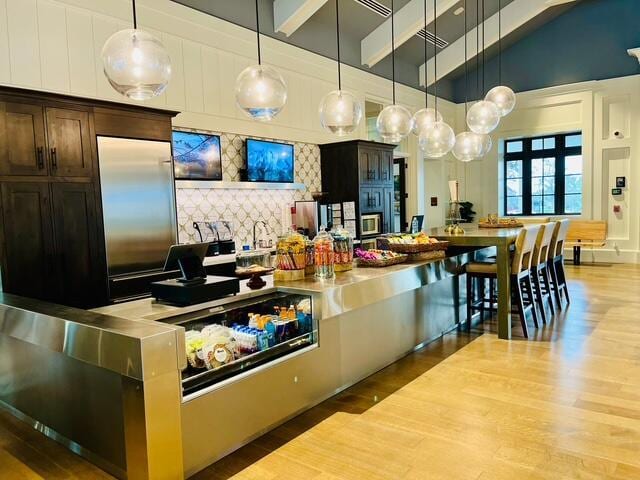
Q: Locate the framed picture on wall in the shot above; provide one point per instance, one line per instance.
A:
(621, 182)
(196, 156)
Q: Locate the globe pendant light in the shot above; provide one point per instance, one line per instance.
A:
(468, 145)
(483, 117)
(503, 97)
(136, 63)
(340, 111)
(394, 122)
(426, 117)
(440, 139)
(260, 90)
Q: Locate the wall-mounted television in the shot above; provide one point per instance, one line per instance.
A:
(269, 161)
(196, 156)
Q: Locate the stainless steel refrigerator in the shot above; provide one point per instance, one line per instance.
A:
(139, 211)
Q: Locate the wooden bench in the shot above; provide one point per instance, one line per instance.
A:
(586, 233)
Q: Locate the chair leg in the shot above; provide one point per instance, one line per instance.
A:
(491, 290)
(469, 299)
(517, 292)
(539, 295)
(547, 286)
(563, 277)
(481, 291)
(532, 300)
(554, 283)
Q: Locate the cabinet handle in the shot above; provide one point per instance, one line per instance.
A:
(40, 155)
(54, 158)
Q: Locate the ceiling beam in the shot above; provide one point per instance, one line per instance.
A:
(289, 15)
(514, 15)
(409, 20)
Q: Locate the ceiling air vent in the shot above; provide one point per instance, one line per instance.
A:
(431, 38)
(385, 12)
(376, 7)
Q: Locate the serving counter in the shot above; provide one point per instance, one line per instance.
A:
(114, 384)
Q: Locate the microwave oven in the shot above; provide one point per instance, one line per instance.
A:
(371, 224)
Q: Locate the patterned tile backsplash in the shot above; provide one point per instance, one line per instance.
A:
(245, 206)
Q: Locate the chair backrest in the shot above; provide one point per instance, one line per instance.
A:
(559, 237)
(588, 231)
(543, 242)
(525, 244)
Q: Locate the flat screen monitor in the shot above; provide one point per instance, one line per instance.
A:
(269, 161)
(196, 156)
(188, 250)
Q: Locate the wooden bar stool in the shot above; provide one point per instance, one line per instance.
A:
(539, 270)
(522, 289)
(555, 262)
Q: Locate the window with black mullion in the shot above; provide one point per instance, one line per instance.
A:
(543, 175)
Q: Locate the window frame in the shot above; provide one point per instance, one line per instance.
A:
(559, 152)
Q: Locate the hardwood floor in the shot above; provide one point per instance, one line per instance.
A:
(564, 404)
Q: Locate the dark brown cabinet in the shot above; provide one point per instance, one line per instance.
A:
(27, 243)
(22, 139)
(360, 171)
(52, 243)
(51, 247)
(77, 245)
(69, 142)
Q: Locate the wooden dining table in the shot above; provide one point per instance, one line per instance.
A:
(502, 239)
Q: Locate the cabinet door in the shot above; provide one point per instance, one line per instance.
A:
(22, 141)
(81, 277)
(27, 239)
(369, 165)
(388, 211)
(69, 142)
(386, 167)
(371, 199)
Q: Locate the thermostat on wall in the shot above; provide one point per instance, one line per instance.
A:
(616, 191)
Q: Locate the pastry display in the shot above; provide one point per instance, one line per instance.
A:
(217, 345)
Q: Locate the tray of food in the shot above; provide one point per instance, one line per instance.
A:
(501, 223)
(415, 243)
(247, 272)
(379, 258)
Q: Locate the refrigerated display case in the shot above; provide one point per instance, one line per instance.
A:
(230, 339)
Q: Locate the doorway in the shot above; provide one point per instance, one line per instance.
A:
(399, 195)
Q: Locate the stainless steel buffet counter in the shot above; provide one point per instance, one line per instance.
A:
(110, 383)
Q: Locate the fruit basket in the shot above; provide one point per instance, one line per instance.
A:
(379, 258)
(414, 244)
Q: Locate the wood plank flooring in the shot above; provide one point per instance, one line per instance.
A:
(563, 405)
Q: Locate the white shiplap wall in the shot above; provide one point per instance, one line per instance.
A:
(55, 45)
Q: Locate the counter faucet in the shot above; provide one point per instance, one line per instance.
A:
(255, 224)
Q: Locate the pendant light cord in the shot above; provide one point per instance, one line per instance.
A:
(499, 42)
(258, 33)
(435, 57)
(426, 83)
(466, 64)
(478, 48)
(393, 55)
(338, 45)
(135, 20)
(483, 51)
